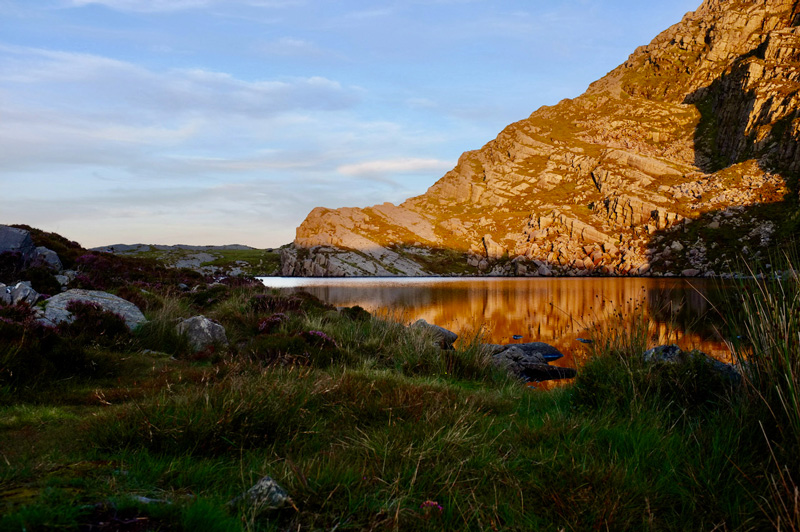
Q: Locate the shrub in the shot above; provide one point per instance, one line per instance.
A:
(296, 302)
(94, 325)
(268, 325)
(31, 352)
(206, 298)
(42, 280)
(279, 348)
(355, 313)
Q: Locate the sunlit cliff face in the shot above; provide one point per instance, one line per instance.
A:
(556, 311)
(679, 161)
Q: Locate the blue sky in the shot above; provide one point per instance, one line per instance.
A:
(227, 121)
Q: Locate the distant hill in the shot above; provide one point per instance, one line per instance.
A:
(678, 162)
(233, 259)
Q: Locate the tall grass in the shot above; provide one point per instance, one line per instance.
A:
(769, 354)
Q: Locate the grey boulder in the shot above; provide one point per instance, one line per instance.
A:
(13, 240)
(55, 309)
(444, 338)
(24, 293)
(202, 332)
(529, 361)
(19, 242)
(5, 294)
(48, 258)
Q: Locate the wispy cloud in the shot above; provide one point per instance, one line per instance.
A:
(195, 150)
(394, 166)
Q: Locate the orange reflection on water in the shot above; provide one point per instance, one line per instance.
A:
(557, 311)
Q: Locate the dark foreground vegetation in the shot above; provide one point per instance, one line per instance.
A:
(369, 426)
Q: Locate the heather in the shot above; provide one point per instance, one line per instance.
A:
(368, 424)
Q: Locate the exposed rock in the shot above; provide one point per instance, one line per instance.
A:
(701, 120)
(444, 338)
(202, 332)
(48, 258)
(265, 495)
(5, 294)
(55, 308)
(19, 243)
(529, 361)
(66, 277)
(13, 240)
(23, 292)
(673, 354)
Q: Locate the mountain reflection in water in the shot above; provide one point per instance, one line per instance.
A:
(554, 310)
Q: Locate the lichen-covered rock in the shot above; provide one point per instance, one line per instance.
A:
(443, 338)
(55, 309)
(265, 495)
(202, 332)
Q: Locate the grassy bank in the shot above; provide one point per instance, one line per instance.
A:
(369, 426)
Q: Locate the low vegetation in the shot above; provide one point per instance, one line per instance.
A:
(369, 426)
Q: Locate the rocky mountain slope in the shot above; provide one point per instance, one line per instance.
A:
(676, 163)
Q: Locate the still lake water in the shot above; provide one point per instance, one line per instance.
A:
(553, 310)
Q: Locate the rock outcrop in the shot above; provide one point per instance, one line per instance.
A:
(17, 244)
(694, 140)
(55, 309)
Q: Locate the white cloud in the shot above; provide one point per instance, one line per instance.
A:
(394, 166)
(82, 79)
(105, 151)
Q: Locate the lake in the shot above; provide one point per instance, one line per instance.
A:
(553, 310)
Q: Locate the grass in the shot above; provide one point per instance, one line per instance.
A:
(368, 425)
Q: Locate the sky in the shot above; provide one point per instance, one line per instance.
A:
(227, 121)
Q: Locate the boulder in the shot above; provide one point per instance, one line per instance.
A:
(47, 258)
(529, 361)
(24, 292)
(5, 294)
(202, 332)
(55, 310)
(444, 338)
(13, 240)
(672, 354)
(265, 495)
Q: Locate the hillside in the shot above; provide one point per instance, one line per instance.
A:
(677, 162)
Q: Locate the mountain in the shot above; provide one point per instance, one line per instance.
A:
(677, 162)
